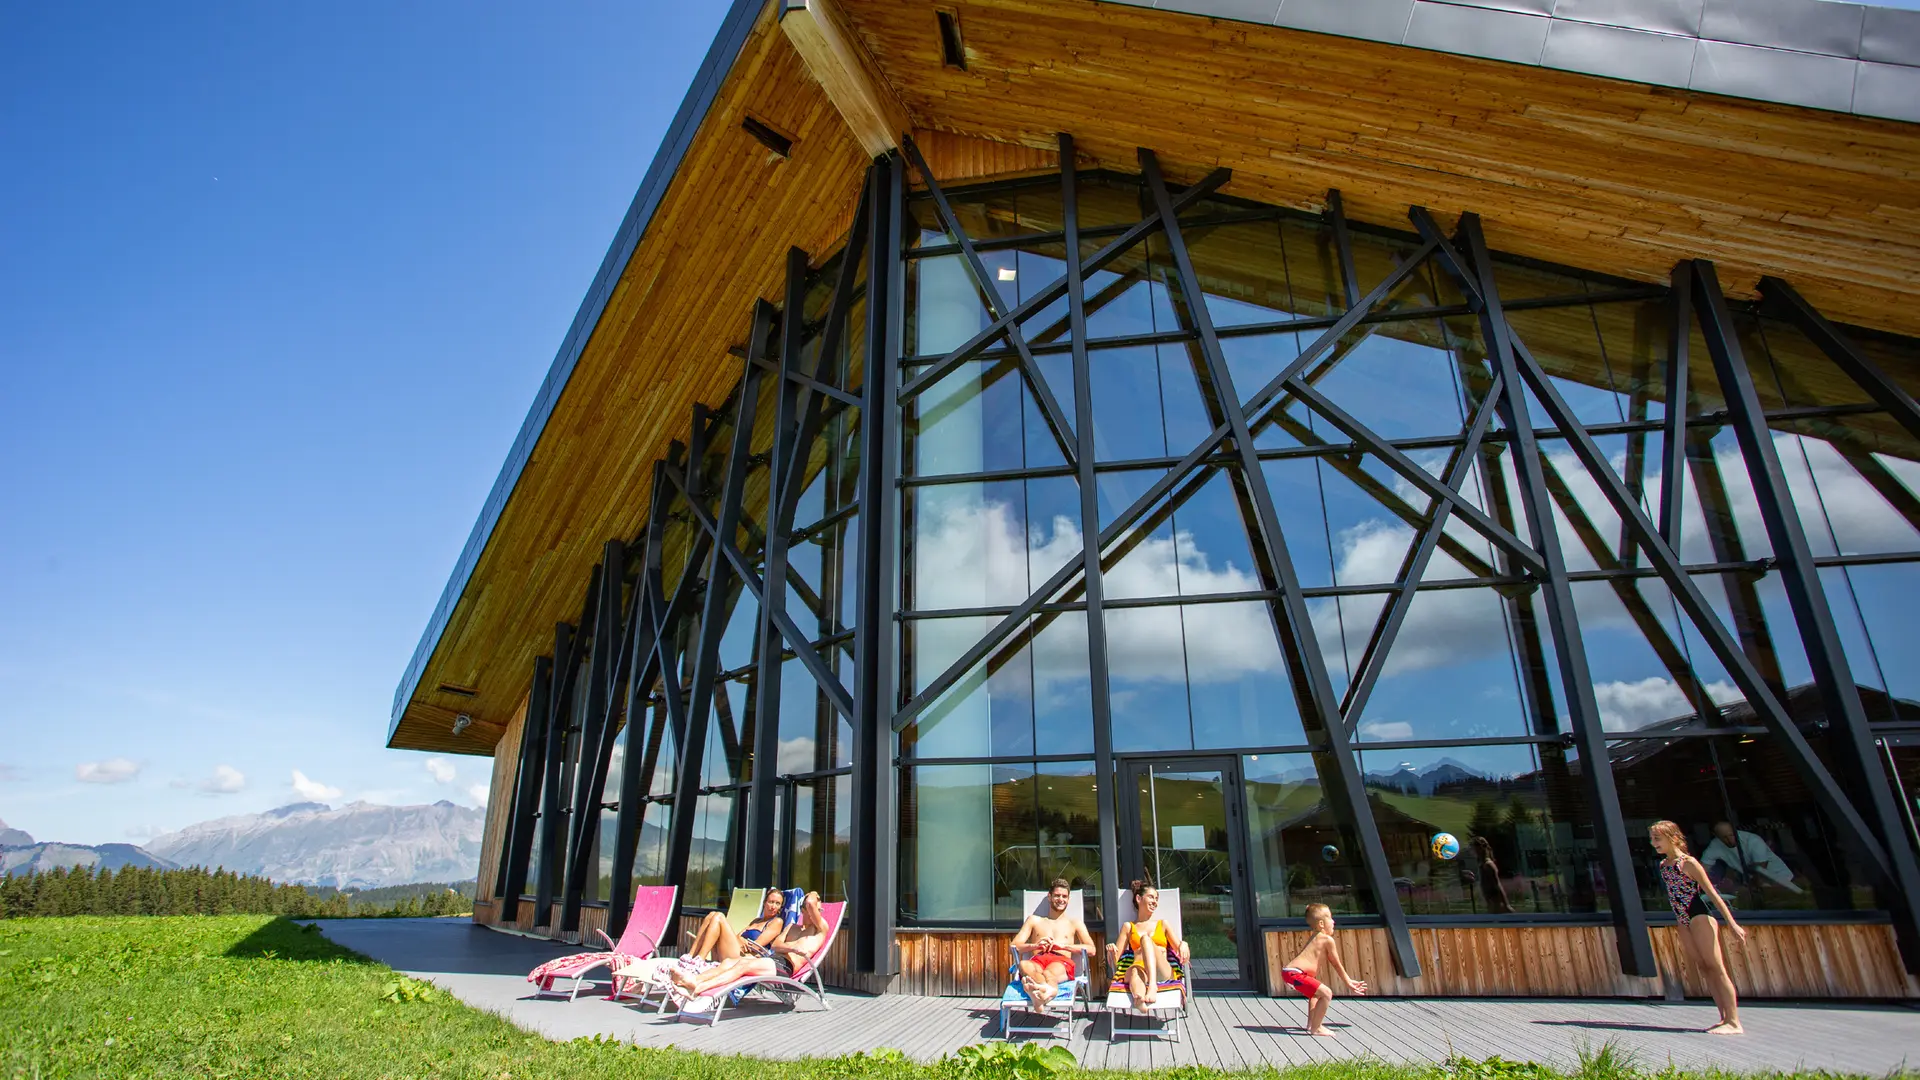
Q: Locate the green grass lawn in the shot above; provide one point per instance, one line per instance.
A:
(255, 996)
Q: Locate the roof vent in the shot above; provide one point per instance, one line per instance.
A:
(461, 691)
(769, 138)
(952, 52)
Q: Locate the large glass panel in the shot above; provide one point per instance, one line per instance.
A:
(1069, 829)
(947, 843)
(1455, 670)
(974, 545)
(1902, 756)
(711, 861)
(822, 831)
(650, 855)
(1888, 602)
(1030, 695)
(1747, 816)
(1850, 501)
(1301, 853)
(1146, 403)
(1523, 830)
(1642, 666)
(813, 734)
(599, 883)
(1185, 844)
(1198, 674)
(534, 867)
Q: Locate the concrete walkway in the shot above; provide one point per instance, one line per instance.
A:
(487, 969)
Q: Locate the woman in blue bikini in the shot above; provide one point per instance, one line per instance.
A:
(1688, 890)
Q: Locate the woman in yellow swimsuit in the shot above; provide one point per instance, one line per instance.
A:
(1150, 949)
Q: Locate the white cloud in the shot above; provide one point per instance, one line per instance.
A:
(111, 771)
(478, 793)
(1629, 706)
(226, 780)
(312, 790)
(440, 769)
(796, 755)
(1386, 730)
(138, 833)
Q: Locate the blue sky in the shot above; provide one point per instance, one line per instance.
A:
(278, 285)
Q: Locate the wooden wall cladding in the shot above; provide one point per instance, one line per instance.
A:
(949, 964)
(1598, 173)
(1818, 961)
(493, 836)
(1855, 960)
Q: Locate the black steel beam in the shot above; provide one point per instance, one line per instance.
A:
(996, 307)
(533, 753)
(552, 829)
(1783, 299)
(1851, 737)
(1679, 398)
(1256, 408)
(1343, 245)
(1314, 689)
(1635, 948)
(1106, 783)
(762, 826)
(596, 732)
(933, 373)
(872, 854)
(713, 608)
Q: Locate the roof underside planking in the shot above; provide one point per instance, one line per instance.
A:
(1598, 173)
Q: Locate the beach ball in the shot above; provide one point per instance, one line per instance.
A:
(1445, 845)
(1330, 853)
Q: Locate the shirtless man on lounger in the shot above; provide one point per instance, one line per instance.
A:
(1050, 939)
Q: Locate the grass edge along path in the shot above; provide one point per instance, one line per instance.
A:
(259, 996)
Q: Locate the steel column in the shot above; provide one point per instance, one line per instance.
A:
(1576, 681)
(1106, 783)
(1314, 689)
(1851, 738)
(872, 855)
(520, 826)
(713, 607)
(762, 826)
(596, 733)
(552, 830)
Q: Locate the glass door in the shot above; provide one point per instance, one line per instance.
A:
(1183, 828)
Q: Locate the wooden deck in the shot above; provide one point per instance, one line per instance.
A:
(486, 969)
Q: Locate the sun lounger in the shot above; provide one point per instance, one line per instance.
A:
(1071, 995)
(649, 977)
(653, 910)
(1170, 996)
(706, 1008)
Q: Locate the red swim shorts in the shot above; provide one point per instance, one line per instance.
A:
(1050, 957)
(1301, 981)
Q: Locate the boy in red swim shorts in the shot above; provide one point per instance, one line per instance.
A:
(1303, 972)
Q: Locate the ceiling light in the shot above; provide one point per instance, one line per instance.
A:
(461, 723)
(1008, 273)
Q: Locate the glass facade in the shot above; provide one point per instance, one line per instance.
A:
(1372, 604)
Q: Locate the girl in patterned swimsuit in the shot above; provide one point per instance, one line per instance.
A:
(1688, 890)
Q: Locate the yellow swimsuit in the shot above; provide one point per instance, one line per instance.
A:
(1159, 935)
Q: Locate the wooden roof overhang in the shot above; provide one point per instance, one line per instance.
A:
(1571, 169)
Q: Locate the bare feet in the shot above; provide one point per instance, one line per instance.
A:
(1726, 1027)
(1322, 1032)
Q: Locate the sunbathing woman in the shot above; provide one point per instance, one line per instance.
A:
(1150, 948)
(716, 940)
(785, 952)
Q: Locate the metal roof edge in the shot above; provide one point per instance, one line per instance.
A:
(714, 69)
(1849, 58)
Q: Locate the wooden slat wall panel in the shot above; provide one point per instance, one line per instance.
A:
(1819, 961)
(493, 836)
(958, 158)
(961, 964)
(1571, 168)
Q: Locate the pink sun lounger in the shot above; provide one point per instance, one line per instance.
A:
(653, 912)
(706, 1008)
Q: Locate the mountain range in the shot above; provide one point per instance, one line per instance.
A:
(360, 845)
(19, 854)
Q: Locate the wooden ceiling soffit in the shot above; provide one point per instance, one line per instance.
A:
(840, 63)
(1572, 169)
